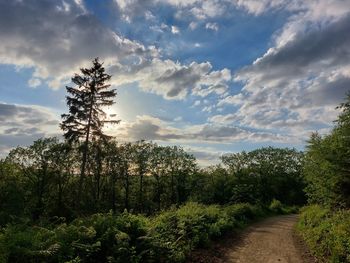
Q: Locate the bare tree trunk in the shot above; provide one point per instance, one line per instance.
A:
(60, 190)
(141, 192)
(158, 192)
(113, 193)
(127, 186)
(85, 155)
(41, 188)
(173, 193)
(98, 177)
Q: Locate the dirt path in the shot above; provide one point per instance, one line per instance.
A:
(268, 241)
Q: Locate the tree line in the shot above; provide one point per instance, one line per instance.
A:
(141, 176)
(91, 172)
(43, 179)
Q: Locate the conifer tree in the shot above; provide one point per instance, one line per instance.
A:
(86, 116)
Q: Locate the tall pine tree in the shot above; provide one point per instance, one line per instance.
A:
(86, 116)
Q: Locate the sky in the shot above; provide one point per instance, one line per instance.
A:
(214, 76)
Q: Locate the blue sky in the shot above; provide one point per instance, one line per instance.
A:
(214, 76)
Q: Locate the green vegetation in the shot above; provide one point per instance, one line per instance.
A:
(90, 198)
(178, 231)
(266, 174)
(326, 232)
(168, 237)
(113, 222)
(325, 224)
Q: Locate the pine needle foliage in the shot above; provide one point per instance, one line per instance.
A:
(86, 100)
(86, 117)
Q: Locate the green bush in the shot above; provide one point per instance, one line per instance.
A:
(24, 244)
(176, 232)
(326, 232)
(104, 237)
(240, 214)
(168, 237)
(290, 209)
(98, 238)
(276, 206)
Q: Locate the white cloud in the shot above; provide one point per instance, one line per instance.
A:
(258, 7)
(193, 25)
(34, 82)
(203, 10)
(175, 30)
(197, 103)
(291, 89)
(195, 9)
(173, 80)
(56, 38)
(149, 15)
(22, 124)
(295, 86)
(208, 109)
(151, 128)
(208, 9)
(232, 99)
(212, 26)
(205, 155)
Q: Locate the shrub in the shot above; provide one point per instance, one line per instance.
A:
(20, 243)
(241, 214)
(276, 206)
(105, 237)
(326, 232)
(168, 237)
(176, 232)
(99, 238)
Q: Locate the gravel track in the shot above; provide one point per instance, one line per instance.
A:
(269, 241)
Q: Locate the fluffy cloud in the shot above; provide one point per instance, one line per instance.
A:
(258, 7)
(203, 10)
(151, 128)
(205, 155)
(131, 8)
(197, 9)
(324, 48)
(212, 26)
(57, 37)
(22, 124)
(292, 89)
(173, 80)
(295, 86)
(34, 82)
(175, 30)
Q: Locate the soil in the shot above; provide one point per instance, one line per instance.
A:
(272, 240)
